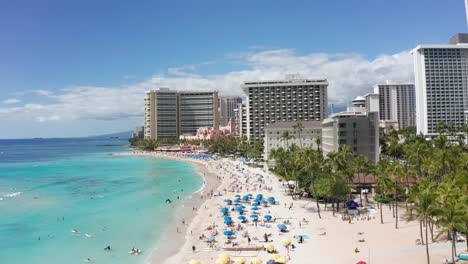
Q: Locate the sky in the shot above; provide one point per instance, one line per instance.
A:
(81, 67)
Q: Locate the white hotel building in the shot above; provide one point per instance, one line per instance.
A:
(441, 81)
(292, 99)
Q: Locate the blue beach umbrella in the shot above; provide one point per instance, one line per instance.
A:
(282, 227)
(255, 216)
(237, 195)
(224, 210)
(211, 239)
(242, 217)
(228, 201)
(249, 194)
(255, 208)
(259, 196)
(245, 198)
(255, 203)
(237, 201)
(271, 199)
(264, 202)
(267, 217)
(242, 206)
(228, 233)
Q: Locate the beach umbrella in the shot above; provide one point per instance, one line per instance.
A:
(264, 202)
(282, 227)
(255, 208)
(269, 246)
(267, 217)
(242, 217)
(224, 256)
(286, 241)
(361, 262)
(256, 260)
(255, 204)
(195, 261)
(240, 260)
(254, 216)
(249, 194)
(271, 261)
(224, 210)
(237, 201)
(271, 199)
(223, 261)
(259, 196)
(282, 260)
(237, 195)
(242, 206)
(211, 239)
(228, 233)
(227, 218)
(245, 198)
(228, 201)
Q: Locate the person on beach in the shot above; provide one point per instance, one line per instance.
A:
(108, 248)
(266, 237)
(193, 249)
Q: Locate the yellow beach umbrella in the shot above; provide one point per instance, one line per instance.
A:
(269, 246)
(240, 260)
(224, 256)
(275, 256)
(287, 241)
(256, 260)
(223, 261)
(282, 260)
(195, 261)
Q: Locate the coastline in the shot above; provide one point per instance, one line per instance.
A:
(323, 237)
(178, 234)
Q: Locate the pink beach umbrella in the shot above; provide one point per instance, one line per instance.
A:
(361, 262)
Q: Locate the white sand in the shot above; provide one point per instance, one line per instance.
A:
(383, 243)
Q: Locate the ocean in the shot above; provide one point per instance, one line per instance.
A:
(49, 187)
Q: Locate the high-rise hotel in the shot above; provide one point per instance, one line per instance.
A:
(170, 113)
(292, 99)
(396, 103)
(441, 80)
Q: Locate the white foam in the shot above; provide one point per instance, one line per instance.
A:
(10, 195)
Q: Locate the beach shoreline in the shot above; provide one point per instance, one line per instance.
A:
(177, 233)
(358, 240)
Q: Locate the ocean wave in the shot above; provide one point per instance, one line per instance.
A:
(10, 195)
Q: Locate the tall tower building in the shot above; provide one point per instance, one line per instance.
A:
(292, 99)
(170, 113)
(227, 105)
(441, 79)
(397, 103)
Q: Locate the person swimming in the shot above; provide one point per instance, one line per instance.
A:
(108, 248)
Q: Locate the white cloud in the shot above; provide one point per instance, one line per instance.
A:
(348, 74)
(10, 101)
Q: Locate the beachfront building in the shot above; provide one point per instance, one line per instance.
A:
(197, 109)
(303, 138)
(206, 133)
(358, 130)
(227, 108)
(372, 102)
(170, 113)
(397, 103)
(292, 99)
(441, 79)
(241, 119)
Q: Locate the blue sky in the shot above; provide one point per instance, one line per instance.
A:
(59, 59)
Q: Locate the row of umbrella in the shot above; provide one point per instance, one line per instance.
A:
(224, 258)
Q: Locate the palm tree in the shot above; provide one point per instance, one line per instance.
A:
(360, 167)
(384, 184)
(450, 220)
(286, 137)
(313, 165)
(425, 208)
(299, 127)
(395, 172)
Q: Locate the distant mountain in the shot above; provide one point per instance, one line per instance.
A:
(124, 135)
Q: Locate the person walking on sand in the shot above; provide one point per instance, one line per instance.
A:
(193, 248)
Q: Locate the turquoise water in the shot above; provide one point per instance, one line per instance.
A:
(118, 200)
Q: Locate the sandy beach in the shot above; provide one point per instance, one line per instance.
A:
(326, 240)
